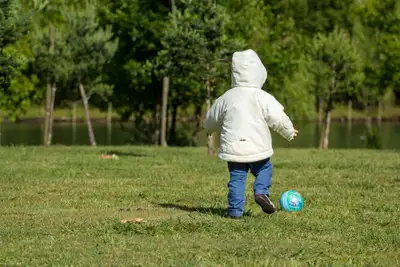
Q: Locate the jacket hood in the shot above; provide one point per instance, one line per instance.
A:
(248, 70)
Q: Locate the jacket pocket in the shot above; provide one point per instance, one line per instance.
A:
(240, 147)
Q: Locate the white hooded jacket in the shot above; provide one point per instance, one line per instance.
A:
(245, 112)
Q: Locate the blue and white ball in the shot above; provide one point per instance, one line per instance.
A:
(291, 201)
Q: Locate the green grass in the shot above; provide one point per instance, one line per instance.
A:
(95, 113)
(387, 112)
(62, 207)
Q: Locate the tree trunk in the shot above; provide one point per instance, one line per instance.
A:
(87, 114)
(349, 113)
(47, 113)
(168, 122)
(348, 136)
(156, 125)
(198, 116)
(327, 129)
(329, 106)
(368, 121)
(210, 147)
(163, 139)
(172, 130)
(109, 123)
(324, 141)
(74, 123)
(51, 116)
(380, 108)
(49, 95)
(109, 113)
(320, 107)
(349, 110)
(173, 8)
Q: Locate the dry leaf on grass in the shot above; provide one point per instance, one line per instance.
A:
(135, 220)
(113, 156)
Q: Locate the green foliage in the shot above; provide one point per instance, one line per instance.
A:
(16, 92)
(283, 53)
(315, 16)
(50, 66)
(296, 93)
(272, 32)
(20, 94)
(197, 49)
(336, 65)
(10, 30)
(248, 21)
(373, 66)
(138, 26)
(377, 31)
(299, 41)
(372, 140)
(88, 47)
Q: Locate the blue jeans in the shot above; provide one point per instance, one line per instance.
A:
(262, 170)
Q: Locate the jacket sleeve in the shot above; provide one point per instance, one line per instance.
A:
(276, 118)
(214, 117)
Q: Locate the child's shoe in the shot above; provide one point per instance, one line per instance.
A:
(265, 202)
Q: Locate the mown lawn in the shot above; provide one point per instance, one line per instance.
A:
(62, 207)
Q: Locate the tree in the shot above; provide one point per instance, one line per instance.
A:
(164, 101)
(271, 29)
(138, 26)
(309, 17)
(89, 48)
(197, 49)
(16, 91)
(336, 65)
(283, 54)
(137, 88)
(315, 16)
(48, 59)
(369, 93)
(378, 34)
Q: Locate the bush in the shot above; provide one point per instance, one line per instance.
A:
(372, 140)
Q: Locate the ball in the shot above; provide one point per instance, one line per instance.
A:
(291, 201)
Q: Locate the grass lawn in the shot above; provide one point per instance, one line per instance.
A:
(95, 113)
(387, 112)
(62, 207)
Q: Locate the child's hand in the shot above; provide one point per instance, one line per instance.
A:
(295, 133)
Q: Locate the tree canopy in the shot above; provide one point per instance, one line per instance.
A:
(120, 50)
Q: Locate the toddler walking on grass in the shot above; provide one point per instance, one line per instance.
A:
(244, 115)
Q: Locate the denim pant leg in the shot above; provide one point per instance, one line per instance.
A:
(262, 170)
(237, 188)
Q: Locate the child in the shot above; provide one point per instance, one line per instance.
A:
(243, 115)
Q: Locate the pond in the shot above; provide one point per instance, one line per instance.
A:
(341, 136)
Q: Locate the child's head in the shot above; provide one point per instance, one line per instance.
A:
(248, 70)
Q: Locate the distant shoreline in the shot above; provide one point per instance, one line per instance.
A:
(35, 115)
(38, 120)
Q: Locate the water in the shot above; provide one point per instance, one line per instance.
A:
(342, 136)
(64, 134)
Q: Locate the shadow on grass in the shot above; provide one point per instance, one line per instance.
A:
(125, 154)
(206, 210)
